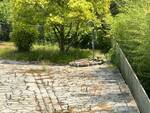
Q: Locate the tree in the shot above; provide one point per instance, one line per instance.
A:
(26, 16)
(66, 18)
(69, 19)
(4, 10)
(4, 19)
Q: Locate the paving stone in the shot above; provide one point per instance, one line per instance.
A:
(28, 88)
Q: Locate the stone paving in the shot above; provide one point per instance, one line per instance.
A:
(63, 89)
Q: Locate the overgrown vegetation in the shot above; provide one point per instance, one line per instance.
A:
(5, 27)
(131, 31)
(43, 53)
(62, 22)
(24, 38)
(66, 20)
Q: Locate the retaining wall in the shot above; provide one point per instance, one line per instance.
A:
(132, 80)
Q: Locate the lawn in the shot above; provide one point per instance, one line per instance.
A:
(43, 54)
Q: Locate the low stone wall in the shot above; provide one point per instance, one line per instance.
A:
(132, 80)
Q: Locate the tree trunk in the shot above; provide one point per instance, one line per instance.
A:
(62, 39)
(76, 36)
(42, 35)
(62, 46)
(59, 33)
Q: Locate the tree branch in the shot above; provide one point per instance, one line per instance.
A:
(57, 28)
(76, 36)
(54, 29)
(69, 31)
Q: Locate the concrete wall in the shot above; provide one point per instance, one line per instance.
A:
(131, 79)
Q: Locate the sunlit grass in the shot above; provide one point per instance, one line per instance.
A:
(43, 53)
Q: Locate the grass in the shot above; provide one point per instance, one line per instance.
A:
(42, 54)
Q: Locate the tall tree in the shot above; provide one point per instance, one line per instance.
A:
(66, 18)
(70, 18)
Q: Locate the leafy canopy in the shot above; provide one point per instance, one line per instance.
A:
(64, 17)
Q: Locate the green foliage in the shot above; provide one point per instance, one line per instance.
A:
(118, 6)
(61, 18)
(84, 41)
(70, 19)
(5, 10)
(24, 38)
(64, 21)
(144, 59)
(104, 39)
(102, 42)
(28, 11)
(5, 19)
(43, 54)
(131, 31)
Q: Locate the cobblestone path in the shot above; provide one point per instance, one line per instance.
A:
(63, 89)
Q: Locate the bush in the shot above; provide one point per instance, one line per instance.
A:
(24, 38)
(131, 31)
(103, 41)
(84, 41)
(144, 59)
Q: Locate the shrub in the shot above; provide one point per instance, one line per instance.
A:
(144, 59)
(24, 38)
(131, 31)
(84, 41)
(103, 41)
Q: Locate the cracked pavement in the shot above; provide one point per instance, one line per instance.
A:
(63, 89)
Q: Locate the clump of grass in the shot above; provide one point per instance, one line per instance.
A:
(43, 53)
